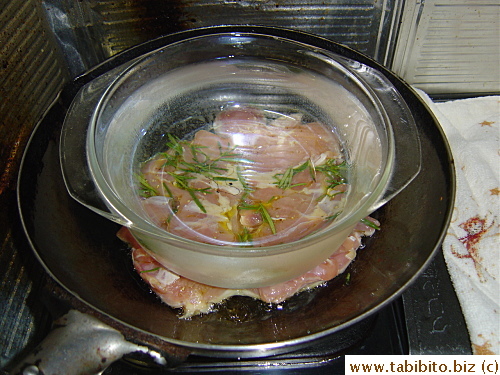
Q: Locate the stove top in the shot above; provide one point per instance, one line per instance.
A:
(426, 319)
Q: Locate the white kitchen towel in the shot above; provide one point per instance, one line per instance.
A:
(472, 244)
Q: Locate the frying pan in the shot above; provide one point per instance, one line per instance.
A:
(92, 268)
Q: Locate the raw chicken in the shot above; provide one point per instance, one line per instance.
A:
(195, 298)
(250, 181)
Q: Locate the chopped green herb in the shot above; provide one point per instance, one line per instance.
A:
(334, 216)
(246, 236)
(335, 176)
(146, 190)
(263, 212)
(175, 145)
(267, 218)
(312, 170)
(242, 180)
(181, 180)
(201, 164)
(284, 180)
(272, 199)
(217, 178)
(188, 164)
(197, 201)
(169, 192)
(151, 270)
(370, 223)
(335, 172)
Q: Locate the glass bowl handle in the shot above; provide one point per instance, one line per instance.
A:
(73, 152)
(408, 155)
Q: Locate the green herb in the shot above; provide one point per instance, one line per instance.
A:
(146, 190)
(222, 178)
(196, 200)
(204, 165)
(169, 192)
(201, 164)
(174, 204)
(263, 212)
(242, 180)
(175, 145)
(335, 176)
(312, 170)
(335, 172)
(348, 279)
(267, 218)
(334, 216)
(176, 150)
(181, 180)
(151, 270)
(370, 223)
(272, 199)
(246, 236)
(284, 180)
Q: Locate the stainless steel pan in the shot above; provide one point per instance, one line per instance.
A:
(92, 268)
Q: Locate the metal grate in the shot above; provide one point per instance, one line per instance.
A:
(450, 46)
(31, 74)
(101, 28)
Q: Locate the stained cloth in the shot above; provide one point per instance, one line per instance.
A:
(472, 246)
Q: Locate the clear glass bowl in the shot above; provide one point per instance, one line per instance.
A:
(128, 114)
